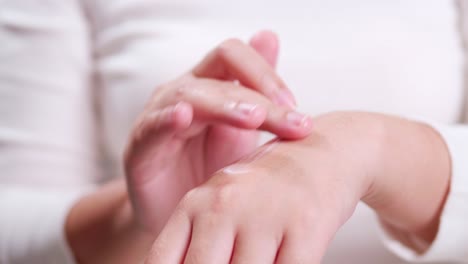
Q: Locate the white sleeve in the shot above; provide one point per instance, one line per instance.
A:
(31, 225)
(451, 242)
(125, 46)
(131, 44)
(46, 126)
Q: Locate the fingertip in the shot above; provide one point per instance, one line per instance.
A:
(292, 134)
(300, 128)
(295, 126)
(265, 36)
(266, 43)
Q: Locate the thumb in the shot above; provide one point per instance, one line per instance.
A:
(266, 43)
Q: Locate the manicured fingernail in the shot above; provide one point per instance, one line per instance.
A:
(298, 120)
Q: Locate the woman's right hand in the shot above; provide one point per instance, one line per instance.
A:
(204, 121)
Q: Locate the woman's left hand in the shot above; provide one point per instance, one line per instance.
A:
(284, 203)
(281, 205)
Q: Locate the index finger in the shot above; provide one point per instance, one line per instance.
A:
(234, 59)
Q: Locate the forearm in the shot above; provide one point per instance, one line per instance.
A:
(412, 178)
(401, 168)
(100, 228)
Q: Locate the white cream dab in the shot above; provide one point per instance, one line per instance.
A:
(243, 166)
(267, 149)
(237, 169)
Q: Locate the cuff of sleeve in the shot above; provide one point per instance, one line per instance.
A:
(451, 243)
(32, 225)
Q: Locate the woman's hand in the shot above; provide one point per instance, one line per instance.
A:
(284, 203)
(280, 205)
(190, 128)
(203, 121)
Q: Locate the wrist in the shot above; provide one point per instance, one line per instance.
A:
(344, 145)
(357, 140)
(401, 168)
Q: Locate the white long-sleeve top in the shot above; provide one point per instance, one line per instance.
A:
(75, 73)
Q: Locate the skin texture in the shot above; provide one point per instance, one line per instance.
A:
(204, 121)
(194, 126)
(284, 203)
(101, 226)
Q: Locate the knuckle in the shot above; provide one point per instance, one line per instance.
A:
(181, 92)
(176, 90)
(189, 199)
(225, 194)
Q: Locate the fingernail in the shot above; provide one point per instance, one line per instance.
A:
(285, 98)
(246, 108)
(242, 109)
(298, 120)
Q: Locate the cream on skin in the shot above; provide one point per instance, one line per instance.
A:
(237, 169)
(310, 187)
(364, 143)
(243, 167)
(202, 107)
